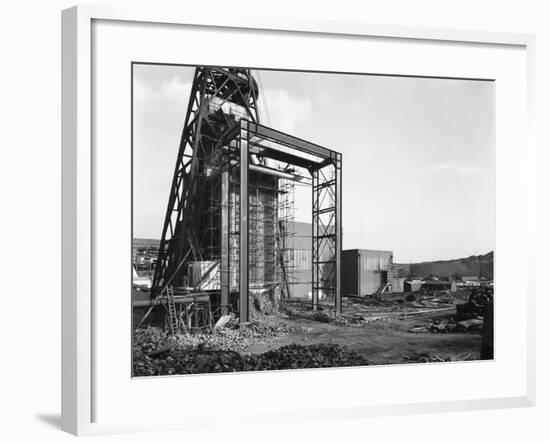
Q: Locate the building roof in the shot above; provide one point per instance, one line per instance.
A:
(368, 251)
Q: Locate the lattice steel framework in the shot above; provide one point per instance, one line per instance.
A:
(326, 230)
(218, 99)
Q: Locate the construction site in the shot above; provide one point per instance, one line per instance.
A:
(236, 283)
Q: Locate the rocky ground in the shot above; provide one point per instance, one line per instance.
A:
(395, 329)
(223, 350)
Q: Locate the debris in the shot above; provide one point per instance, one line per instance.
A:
(475, 306)
(470, 325)
(311, 356)
(290, 337)
(203, 360)
(320, 317)
(301, 309)
(442, 326)
(440, 358)
(418, 329)
(158, 353)
(223, 321)
(151, 339)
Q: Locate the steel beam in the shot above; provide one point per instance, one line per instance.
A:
(290, 141)
(243, 228)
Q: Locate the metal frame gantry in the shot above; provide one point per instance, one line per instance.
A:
(325, 170)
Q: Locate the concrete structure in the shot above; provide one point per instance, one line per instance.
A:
(368, 272)
(413, 285)
(399, 283)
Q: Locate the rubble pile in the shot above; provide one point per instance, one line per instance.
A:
(230, 337)
(202, 359)
(358, 311)
(444, 326)
(310, 356)
(352, 315)
(301, 309)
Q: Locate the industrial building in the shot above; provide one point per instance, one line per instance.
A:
(229, 229)
(369, 272)
(301, 260)
(364, 272)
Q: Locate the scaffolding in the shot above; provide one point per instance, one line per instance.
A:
(285, 243)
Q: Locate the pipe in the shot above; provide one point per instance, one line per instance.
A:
(273, 172)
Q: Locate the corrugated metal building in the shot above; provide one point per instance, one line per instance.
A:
(368, 272)
(299, 271)
(364, 272)
(300, 283)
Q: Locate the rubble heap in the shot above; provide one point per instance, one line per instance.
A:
(156, 352)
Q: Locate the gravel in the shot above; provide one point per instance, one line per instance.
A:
(202, 360)
(157, 353)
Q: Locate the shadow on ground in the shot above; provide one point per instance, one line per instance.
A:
(52, 420)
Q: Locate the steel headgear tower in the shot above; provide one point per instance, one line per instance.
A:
(219, 98)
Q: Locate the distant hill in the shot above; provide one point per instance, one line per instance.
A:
(467, 266)
(145, 243)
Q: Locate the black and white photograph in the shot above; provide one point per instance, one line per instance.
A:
(278, 220)
(297, 220)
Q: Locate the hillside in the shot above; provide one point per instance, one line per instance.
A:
(467, 266)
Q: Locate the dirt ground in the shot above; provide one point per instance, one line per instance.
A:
(395, 329)
(385, 340)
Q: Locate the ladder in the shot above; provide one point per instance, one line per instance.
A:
(172, 314)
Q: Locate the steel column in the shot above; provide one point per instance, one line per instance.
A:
(338, 222)
(314, 240)
(224, 243)
(243, 229)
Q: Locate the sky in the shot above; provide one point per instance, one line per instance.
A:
(417, 153)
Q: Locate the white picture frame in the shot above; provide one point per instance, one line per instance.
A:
(80, 381)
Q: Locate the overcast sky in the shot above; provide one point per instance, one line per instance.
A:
(418, 155)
